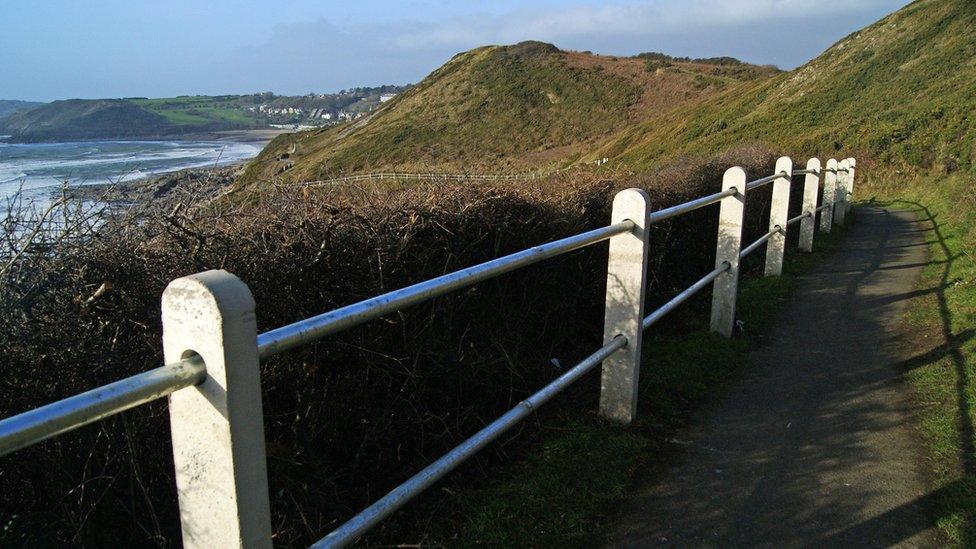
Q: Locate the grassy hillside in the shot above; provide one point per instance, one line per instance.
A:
(112, 119)
(85, 119)
(10, 106)
(900, 89)
(139, 117)
(197, 110)
(503, 108)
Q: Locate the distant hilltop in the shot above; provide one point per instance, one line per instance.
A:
(513, 108)
(185, 115)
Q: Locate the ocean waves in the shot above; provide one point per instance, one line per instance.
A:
(39, 168)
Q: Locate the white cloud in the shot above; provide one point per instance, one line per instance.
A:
(660, 18)
(319, 55)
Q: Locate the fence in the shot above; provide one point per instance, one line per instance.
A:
(212, 351)
(459, 177)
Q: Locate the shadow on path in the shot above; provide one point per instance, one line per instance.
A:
(815, 446)
(952, 343)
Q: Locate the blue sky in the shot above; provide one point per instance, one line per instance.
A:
(56, 49)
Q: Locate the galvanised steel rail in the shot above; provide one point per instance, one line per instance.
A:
(71, 413)
(212, 313)
(800, 217)
(53, 419)
(359, 524)
(775, 230)
(759, 242)
(673, 303)
(308, 330)
(768, 179)
(674, 211)
(431, 176)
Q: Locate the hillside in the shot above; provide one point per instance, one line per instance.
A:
(139, 117)
(10, 106)
(499, 108)
(84, 119)
(900, 89)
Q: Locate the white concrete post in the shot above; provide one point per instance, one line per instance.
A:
(840, 210)
(850, 182)
(626, 283)
(779, 214)
(811, 189)
(829, 192)
(730, 218)
(217, 426)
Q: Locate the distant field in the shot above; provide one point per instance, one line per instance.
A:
(140, 117)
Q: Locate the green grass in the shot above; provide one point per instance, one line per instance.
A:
(563, 492)
(898, 90)
(943, 368)
(205, 114)
(500, 108)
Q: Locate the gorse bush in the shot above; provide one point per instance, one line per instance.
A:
(351, 416)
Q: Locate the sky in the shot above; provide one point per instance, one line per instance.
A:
(59, 49)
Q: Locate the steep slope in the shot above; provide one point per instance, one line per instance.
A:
(900, 89)
(501, 108)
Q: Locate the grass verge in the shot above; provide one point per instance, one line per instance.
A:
(942, 323)
(562, 493)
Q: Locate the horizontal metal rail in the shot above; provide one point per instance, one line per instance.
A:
(399, 496)
(430, 176)
(807, 171)
(65, 415)
(673, 211)
(663, 310)
(798, 218)
(305, 331)
(764, 180)
(824, 207)
(759, 242)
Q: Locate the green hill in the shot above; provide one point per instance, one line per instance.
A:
(84, 119)
(900, 89)
(10, 106)
(503, 108)
(140, 117)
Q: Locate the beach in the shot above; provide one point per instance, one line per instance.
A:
(38, 170)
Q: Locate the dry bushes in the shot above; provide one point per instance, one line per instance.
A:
(346, 418)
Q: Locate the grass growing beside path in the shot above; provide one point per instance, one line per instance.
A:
(942, 340)
(563, 492)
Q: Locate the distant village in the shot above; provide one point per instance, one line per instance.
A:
(305, 118)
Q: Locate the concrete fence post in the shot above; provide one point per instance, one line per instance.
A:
(626, 283)
(811, 190)
(779, 214)
(852, 165)
(217, 426)
(729, 244)
(829, 196)
(841, 197)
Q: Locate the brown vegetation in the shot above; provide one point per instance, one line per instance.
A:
(346, 418)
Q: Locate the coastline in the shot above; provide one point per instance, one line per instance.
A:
(205, 180)
(194, 181)
(252, 136)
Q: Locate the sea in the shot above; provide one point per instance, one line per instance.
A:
(39, 169)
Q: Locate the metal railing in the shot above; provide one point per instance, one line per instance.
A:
(212, 352)
(458, 177)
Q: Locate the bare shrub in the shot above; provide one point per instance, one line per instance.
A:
(349, 417)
